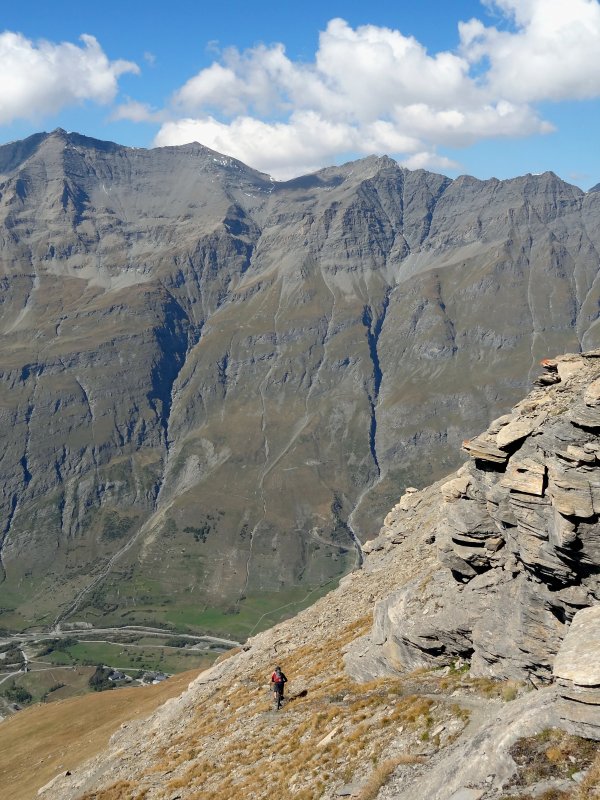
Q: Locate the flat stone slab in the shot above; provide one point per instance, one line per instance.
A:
(350, 790)
(518, 429)
(485, 451)
(525, 475)
(467, 794)
(584, 416)
(578, 658)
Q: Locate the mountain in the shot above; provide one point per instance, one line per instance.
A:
(213, 385)
(460, 663)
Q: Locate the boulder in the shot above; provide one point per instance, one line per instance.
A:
(518, 429)
(456, 488)
(495, 426)
(525, 475)
(484, 450)
(547, 380)
(373, 545)
(578, 455)
(577, 673)
(410, 499)
(570, 492)
(578, 659)
(567, 367)
(584, 416)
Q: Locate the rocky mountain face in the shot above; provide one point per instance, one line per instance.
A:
(212, 385)
(460, 662)
(518, 549)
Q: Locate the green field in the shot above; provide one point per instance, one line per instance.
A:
(132, 658)
(65, 670)
(44, 684)
(249, 616)
(188, 613)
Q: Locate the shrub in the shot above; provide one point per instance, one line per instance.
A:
(99, 681)
(115, 526)
(178, 641)
(64, 644)
(552, 753)
(382, 774)
(17, 694)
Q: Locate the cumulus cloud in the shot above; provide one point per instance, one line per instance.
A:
(41, 78)
(429, 161)
(135, 111)
(285, 149)
(373, 89)
(553, 55)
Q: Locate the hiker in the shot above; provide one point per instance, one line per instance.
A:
(278, 680)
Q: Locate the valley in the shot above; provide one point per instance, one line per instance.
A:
(214, 385)
(53, 665)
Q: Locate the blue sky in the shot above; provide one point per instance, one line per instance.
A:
(496, 88)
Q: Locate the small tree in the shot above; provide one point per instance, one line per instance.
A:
(99, 680)
(18, 694)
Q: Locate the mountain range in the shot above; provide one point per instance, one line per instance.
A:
(213, 385)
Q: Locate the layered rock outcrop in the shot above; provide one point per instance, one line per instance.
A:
(518, 548)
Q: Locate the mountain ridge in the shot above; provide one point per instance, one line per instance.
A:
(175, 322)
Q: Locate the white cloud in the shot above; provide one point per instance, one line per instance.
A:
(461, 127)
(553, 54)
(253, 79)
(284, 149)
(357, 75)
(372, 89)
(374, 69)
(431, 161)
(135, 111)
(41, 78)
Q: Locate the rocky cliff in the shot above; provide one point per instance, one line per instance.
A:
(487, 582)
(518, 543)
(212, 384)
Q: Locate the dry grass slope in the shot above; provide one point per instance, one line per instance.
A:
(329, 733)
(556, 754)
(44, 740)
